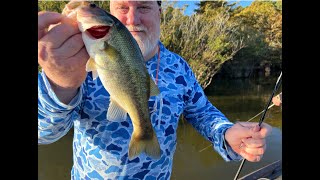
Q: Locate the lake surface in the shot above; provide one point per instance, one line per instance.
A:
(239, 100)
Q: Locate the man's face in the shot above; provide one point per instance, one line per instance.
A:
(142, 18)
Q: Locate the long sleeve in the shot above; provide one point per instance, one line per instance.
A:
(205, 118)
(55, 118)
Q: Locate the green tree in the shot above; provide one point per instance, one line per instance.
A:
(265, 17)
(206, 40)
(57, 6)
(261, 27)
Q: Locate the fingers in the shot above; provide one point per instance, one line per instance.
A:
(246, 129)
(80, 59)
(252, 154)
(254, 143)
(61, 41)
(265, 130)
(70, 7)
(45, 19)
(252, 139)
(248, 124)
(253, 150)
(252, 129)
(59, 34)
(250, 157)
(70, 47)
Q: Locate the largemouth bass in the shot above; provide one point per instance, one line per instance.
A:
(116, 59)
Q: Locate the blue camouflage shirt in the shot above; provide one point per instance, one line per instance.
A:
(100, 147)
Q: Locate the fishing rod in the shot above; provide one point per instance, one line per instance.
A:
(262, 118)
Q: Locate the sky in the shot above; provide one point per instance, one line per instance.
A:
(192, 5)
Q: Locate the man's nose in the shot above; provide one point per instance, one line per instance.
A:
(133, 17)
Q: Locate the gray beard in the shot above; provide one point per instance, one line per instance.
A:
(147, 45)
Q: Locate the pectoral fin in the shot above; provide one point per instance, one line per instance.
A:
(91, 66)
(115, 112)
(154, 90)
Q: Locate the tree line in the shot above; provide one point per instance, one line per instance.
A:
(218, 34)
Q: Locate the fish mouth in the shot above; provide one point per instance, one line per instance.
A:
(98, 32)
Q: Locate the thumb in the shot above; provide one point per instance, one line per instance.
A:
(246, 130)
(255, 128)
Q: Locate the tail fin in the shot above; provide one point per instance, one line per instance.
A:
(150, 146)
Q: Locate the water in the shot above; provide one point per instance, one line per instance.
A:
(239, 100)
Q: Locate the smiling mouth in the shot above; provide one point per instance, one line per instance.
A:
(98, 32)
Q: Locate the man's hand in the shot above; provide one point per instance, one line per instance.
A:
(276, 100)
(248, 139)
(61, 54)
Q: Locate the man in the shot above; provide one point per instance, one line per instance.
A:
(68, 96)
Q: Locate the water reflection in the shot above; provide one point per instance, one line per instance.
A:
(239, 100)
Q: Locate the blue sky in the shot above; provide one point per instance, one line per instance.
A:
(192, 5)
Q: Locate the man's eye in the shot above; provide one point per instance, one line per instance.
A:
(144, 9)
(123, 9)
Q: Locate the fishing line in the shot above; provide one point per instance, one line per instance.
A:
(260, 112)
(262, 118)
(160, 95)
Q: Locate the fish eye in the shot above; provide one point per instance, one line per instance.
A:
(92, 5)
